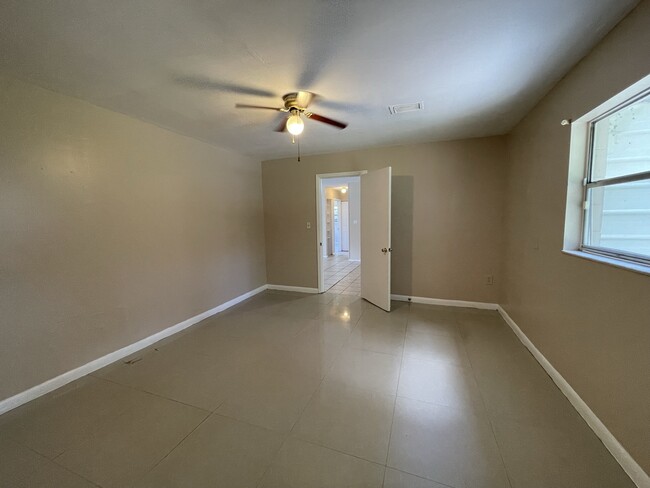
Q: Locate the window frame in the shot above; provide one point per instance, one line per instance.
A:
(580, 182)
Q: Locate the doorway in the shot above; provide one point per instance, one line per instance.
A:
(368, 195)
(339, 236)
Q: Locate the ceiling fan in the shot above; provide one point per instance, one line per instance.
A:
(295, 104)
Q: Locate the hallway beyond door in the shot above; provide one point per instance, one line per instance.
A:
(342, 275)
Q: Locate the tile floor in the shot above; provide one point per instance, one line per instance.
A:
(342, 276)
(295, 391)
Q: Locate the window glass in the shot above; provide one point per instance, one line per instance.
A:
(621, 142)
(617, 206)
(618, 217)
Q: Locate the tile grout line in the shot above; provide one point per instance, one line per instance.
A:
(135, 388)
(399, 377)
(287, 435)
(175, 447)
(487, 412)
(53, 461)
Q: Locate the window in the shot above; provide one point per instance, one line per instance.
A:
(609, 173)
(617, 188)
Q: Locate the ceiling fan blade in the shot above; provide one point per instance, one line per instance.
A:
(320, 118)
(282, 126)
(243, 105)
(205, 83)
(304, 98)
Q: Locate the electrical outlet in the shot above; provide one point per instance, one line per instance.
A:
(309, 225)
(489, 280)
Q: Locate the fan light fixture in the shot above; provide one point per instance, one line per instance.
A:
(295, 125)
(344, 189)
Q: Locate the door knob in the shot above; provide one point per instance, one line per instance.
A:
(385, 250)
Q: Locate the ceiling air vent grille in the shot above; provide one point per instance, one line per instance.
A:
(405, 107)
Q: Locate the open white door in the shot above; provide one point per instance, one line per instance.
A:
(375, 237)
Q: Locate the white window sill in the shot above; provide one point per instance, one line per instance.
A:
(637, 268)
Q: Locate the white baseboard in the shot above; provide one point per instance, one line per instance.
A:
(298, 289)
(447, 303)
(62, 380)
(627, 462)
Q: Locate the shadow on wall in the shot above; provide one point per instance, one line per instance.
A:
(402, 235)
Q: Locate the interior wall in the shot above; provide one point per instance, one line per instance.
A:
(590, 320)
(111, 230)
(447, 216)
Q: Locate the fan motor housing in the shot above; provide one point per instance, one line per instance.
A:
(291, 101)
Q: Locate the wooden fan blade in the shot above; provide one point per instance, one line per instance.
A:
(243, 105)
(326, 120)
(282, 127)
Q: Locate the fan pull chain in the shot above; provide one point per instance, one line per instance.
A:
(298, 150)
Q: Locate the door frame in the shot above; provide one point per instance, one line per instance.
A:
(319, 218)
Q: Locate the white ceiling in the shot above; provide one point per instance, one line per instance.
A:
(478, 65)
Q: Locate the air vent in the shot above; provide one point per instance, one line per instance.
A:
(405, 107)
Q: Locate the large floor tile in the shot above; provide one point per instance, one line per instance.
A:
(348, 419)
(447, 445)
(539, 457)
(68, 416)
(267, 327)
(267, 397)
(308, 353)
(303, 465)
(439, 382)
(262, 301)
(346, 308)
(435, 347)
(130, 445)
(221, 452)
(398, 479)
(366, 369)
(380, 336)
(331, 330)
(21, 467)
(176, 373)
(520, 389)
(397, 317)
(433, 319)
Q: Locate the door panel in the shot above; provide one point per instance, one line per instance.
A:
(375, 237)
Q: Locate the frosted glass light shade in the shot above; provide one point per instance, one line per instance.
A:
(295, 125)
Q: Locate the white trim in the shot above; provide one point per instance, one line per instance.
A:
(319, 220)
(627, 462)
(447, 303)
(618, 263)
(298, 289)
(72, 375)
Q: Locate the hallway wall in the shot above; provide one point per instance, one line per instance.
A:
(111, 230)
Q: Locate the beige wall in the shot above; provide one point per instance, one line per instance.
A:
(590, 320)
(447, 216)
(111, 229)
